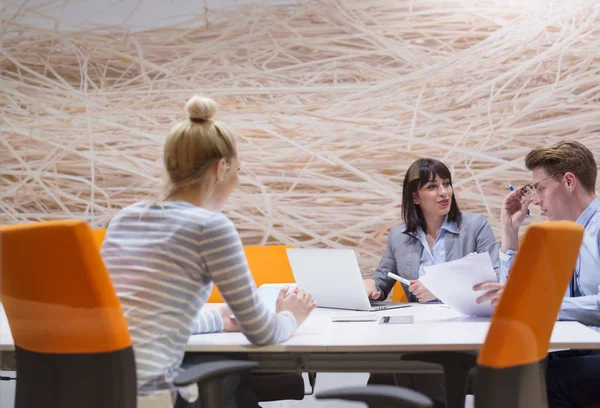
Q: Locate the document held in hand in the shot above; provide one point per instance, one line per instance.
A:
(452, 283)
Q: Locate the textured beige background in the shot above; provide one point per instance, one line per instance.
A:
(331, 102)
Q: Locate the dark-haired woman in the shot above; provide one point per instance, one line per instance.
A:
(434, 231)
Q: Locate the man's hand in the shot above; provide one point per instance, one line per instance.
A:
(493, 292)
(229, 323)
(421, 292)
(514, 210)
(512, 216)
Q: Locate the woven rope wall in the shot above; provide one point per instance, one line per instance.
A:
(331, 101)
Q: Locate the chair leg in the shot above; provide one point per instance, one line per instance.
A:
(211, 392)
(456, 367)
(312, 380)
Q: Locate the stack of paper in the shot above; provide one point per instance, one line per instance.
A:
(268, 292)
(452, 283)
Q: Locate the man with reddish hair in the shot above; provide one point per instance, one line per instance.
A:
(564, 184)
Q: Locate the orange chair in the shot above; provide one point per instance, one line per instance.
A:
(517, 343)
(71, 339)
(510, 363)
(268, 264)
(398, 294)
(99, 235)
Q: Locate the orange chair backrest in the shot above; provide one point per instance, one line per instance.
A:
(99, 235)
(268, 264)
(398, 294)
(56, 291)
(524, 319)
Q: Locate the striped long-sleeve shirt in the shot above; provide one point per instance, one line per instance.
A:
(163, 260)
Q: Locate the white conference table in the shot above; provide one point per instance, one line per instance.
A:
(321, 345)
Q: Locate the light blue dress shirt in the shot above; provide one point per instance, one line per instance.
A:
(436, 254)
(582, 299)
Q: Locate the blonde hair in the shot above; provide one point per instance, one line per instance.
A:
(193, 145)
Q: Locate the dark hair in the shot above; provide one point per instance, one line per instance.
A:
(567, 156)
(418, 174)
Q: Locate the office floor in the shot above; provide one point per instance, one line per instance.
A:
(325, 381)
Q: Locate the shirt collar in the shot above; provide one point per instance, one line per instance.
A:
(450, 226)
(589, 212)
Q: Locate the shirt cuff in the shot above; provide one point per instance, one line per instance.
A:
(219, 320)
(290, 316)
(506, 256)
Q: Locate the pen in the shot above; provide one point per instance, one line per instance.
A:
(513, 189)
(399, 278)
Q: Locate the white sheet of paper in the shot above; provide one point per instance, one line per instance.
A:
(452, 283)
(268, 292)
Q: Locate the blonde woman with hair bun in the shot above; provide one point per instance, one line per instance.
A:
(164, 256)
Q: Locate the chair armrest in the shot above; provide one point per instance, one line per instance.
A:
(380, 396)
(212, 370)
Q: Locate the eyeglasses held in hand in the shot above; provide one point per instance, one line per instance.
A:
(528, 191)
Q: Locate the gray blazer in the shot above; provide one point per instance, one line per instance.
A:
(403, 252)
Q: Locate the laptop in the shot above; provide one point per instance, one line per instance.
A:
(333, 278)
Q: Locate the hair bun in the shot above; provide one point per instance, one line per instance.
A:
(200, 108)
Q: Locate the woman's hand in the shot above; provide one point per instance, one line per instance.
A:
(229, 323)
(421, 292)
(371, 289)
(297, 302)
